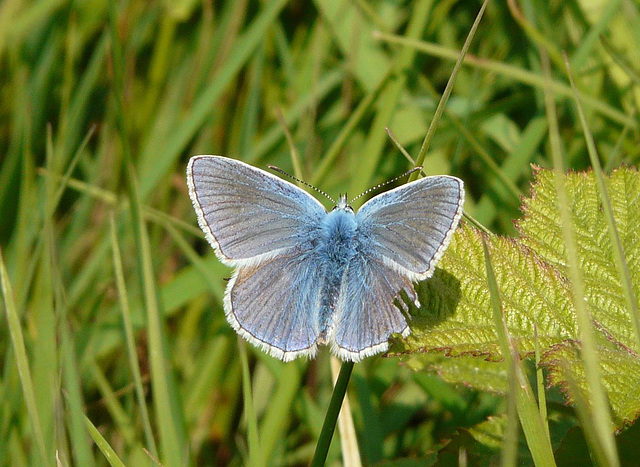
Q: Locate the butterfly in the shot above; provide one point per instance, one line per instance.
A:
(304, 276)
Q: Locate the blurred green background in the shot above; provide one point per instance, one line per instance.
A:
(115, 293)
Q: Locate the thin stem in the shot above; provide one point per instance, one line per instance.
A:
(476, 223)
(447, 90)
(329, 425)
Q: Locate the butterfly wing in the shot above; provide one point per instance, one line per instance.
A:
(247, 214)
(402, 234)
(411, 226)
(265, 227)
(275, 305)
(365, 313)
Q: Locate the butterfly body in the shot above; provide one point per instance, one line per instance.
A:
(304, 276)
(337, 246)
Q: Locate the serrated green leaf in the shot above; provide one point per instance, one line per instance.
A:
(620, 370)
(541, 231)
(486, 375)
(455, 318)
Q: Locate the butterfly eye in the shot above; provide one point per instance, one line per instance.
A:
(346, 207)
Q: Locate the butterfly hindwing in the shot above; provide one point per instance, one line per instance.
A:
(365, 314)
(275, 305)
(246, 213)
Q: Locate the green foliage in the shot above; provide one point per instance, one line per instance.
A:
(455, 319)
(113, 344)
(533, 294)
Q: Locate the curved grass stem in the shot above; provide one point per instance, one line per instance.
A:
(329, 425)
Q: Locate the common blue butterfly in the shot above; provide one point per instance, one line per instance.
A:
(304, 276)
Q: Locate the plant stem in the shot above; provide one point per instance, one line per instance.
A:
(329, 425)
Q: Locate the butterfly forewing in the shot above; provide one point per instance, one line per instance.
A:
(411, 226)
(248, 214)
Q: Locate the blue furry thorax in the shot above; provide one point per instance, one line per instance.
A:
(338, 232)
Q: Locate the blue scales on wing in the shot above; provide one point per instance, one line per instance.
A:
(365, 314)
(402, 235)
(275, 305)
(248, 214)
(411, 226)
(265, 227)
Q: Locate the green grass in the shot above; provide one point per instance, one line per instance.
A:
(114, 348)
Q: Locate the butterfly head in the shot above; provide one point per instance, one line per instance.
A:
(343, 204)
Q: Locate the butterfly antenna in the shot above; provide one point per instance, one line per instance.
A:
(373, 188)
(280, 171)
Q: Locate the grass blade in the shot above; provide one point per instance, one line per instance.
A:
(603, 447)
(348, 438)
(509, 454)
(172, 443)
(532, 424)
(79, 440)
(19, 348)
(276, 420)
(256, 458)
(447, 90)
(130, 341)
(103, 445)
(618, 251)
